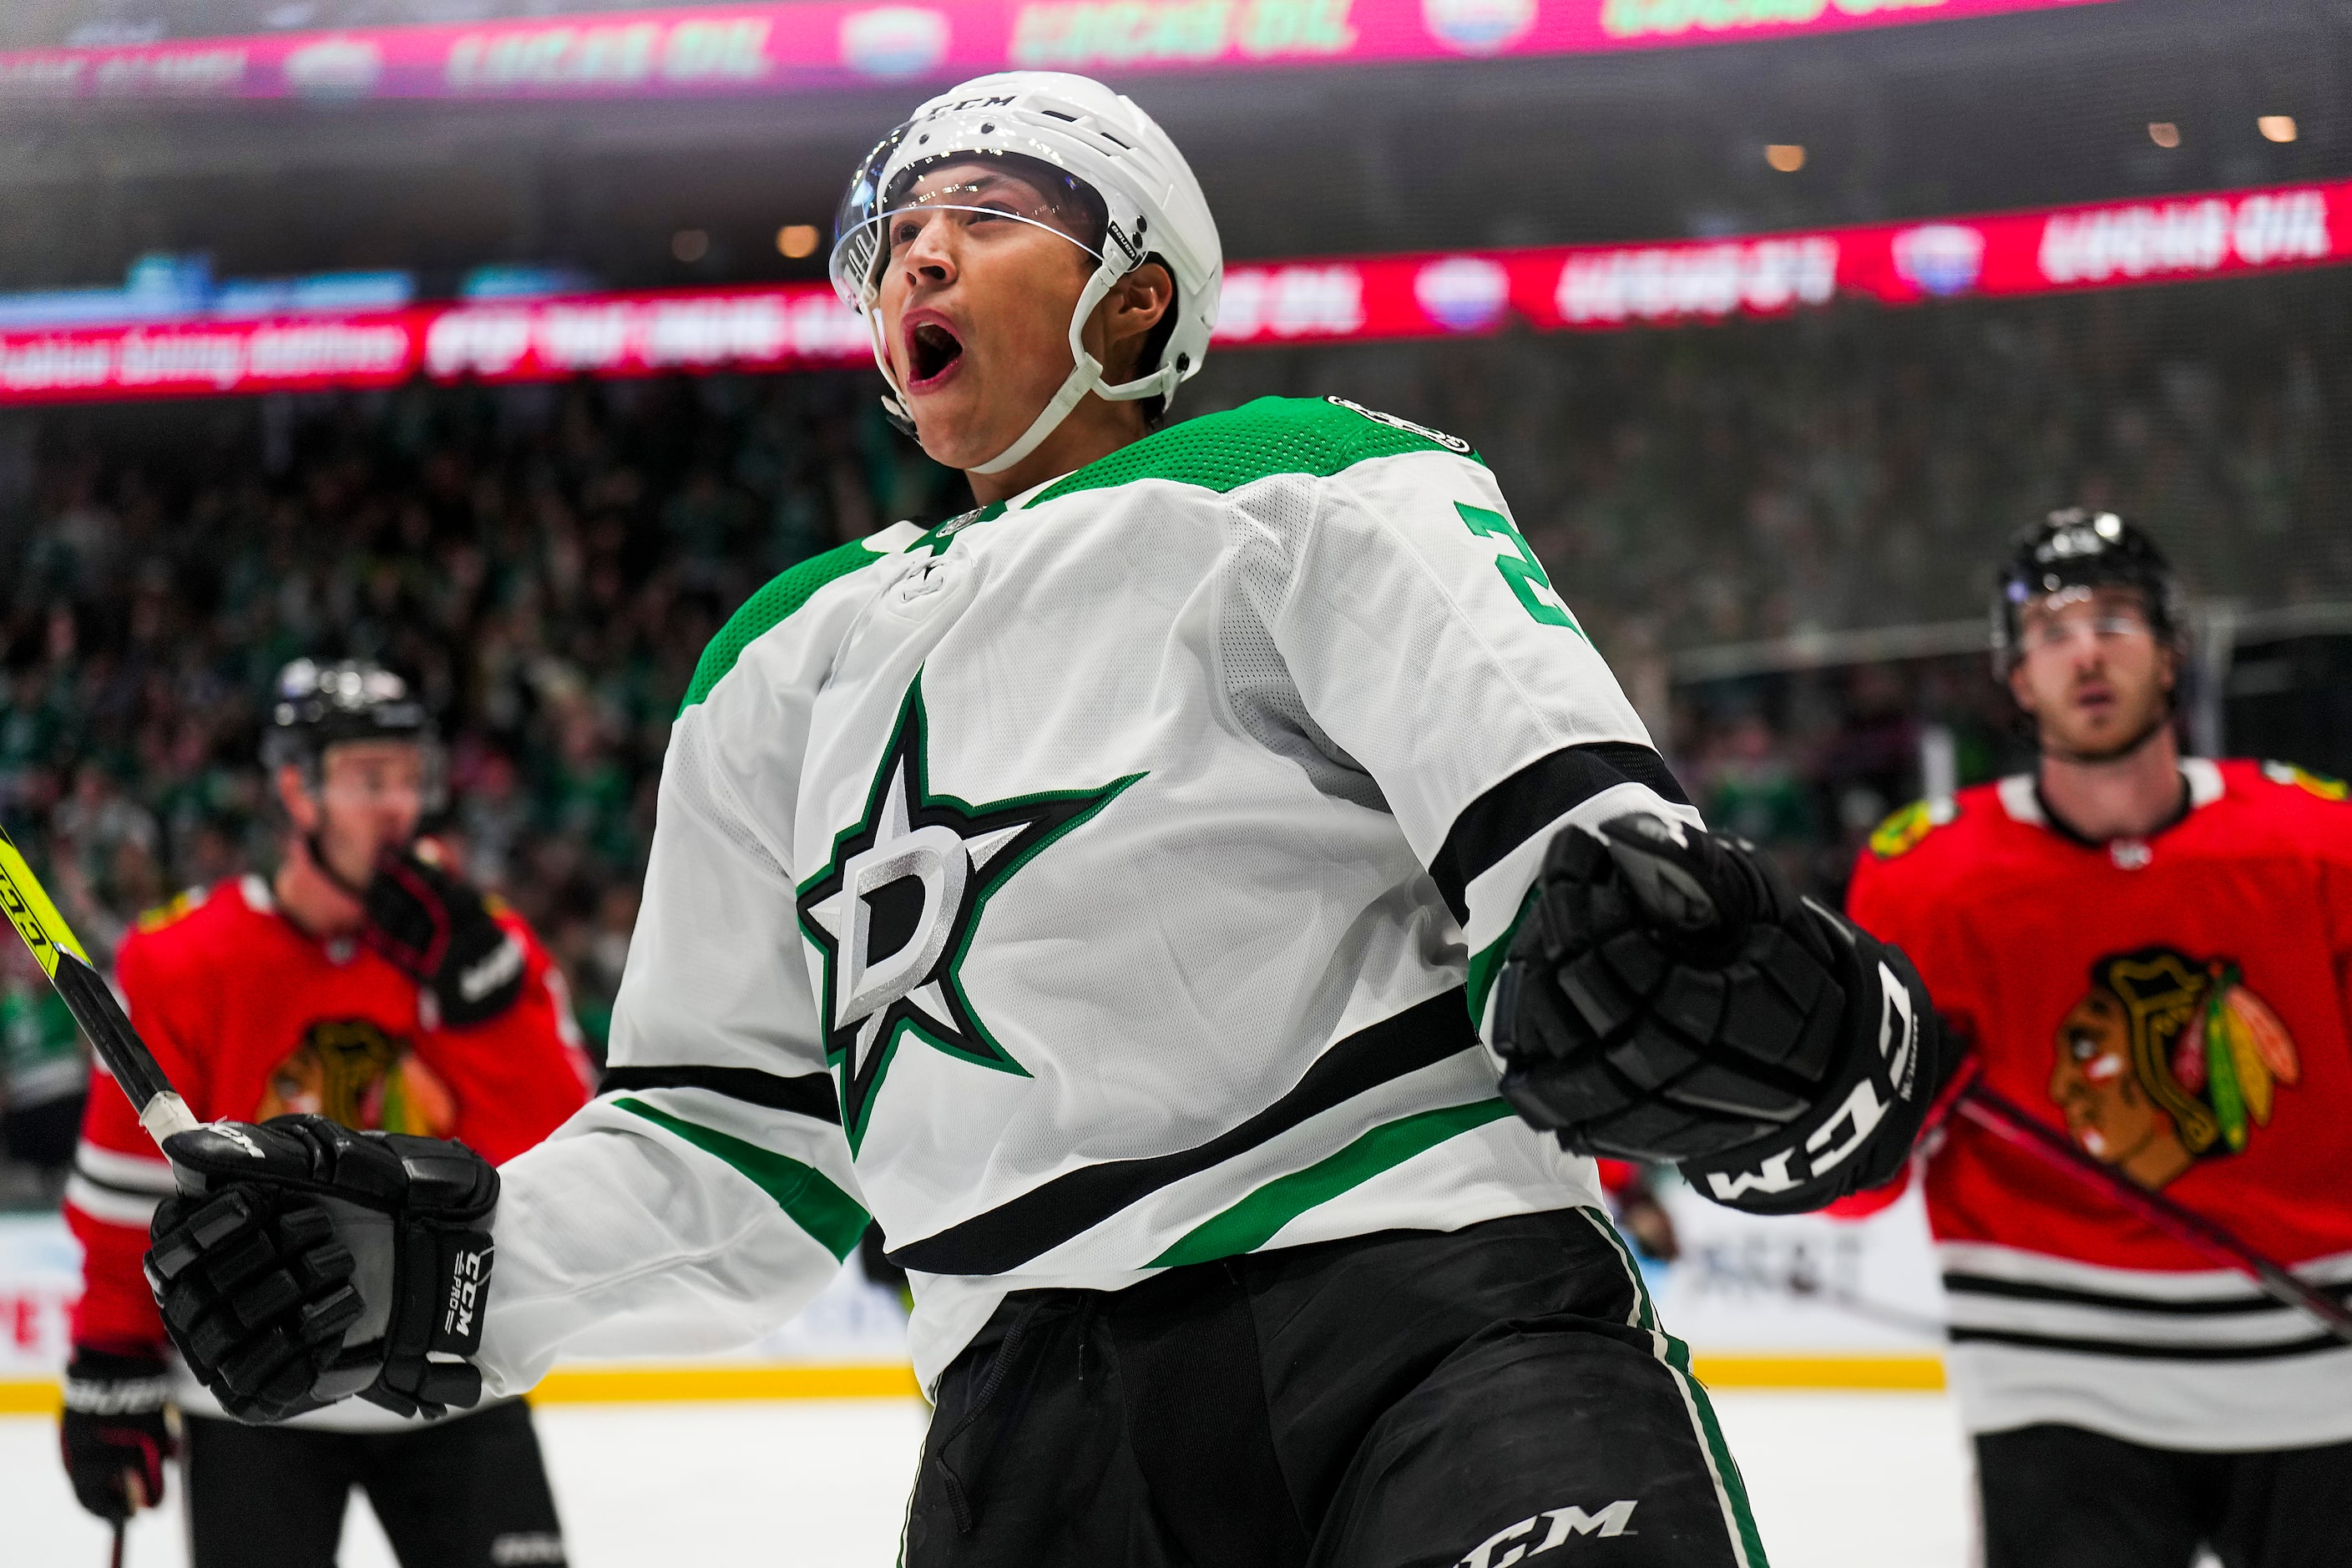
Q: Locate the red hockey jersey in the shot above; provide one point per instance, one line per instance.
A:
(252, 1019)
(2177, 1006)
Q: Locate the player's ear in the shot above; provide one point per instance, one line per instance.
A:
(2020, 690)
(295, 799)
(1134, 306)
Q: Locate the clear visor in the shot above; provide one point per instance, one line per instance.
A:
(968, 188)
(366, 772)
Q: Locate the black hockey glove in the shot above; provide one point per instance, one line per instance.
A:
(302, 1263)
(1671, 999)
(114, 1434)
(438, 931)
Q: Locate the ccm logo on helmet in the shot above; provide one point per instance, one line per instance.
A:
(1000, 101)
(1519, 1542)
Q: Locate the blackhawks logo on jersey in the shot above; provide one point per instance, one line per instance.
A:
(2168, 1059)
(2320, 784)
(894, 911)
(1901, 833)
(349, 1070)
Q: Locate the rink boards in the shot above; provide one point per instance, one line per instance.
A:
(1805, 1302)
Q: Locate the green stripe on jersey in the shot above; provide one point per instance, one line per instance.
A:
(1251, 1223)
(1487, 961)
(803, 1192)
(764, 610)
(1221, 452)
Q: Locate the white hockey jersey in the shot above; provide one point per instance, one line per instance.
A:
(1103, 880)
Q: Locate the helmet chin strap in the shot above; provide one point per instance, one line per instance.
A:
(1086, 375)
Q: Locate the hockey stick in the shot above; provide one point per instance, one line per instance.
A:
(89, 999)
(2010, 1122)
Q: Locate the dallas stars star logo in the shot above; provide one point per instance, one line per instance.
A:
(896, 909)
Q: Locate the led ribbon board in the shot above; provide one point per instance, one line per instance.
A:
(828, 44)
(802, 326)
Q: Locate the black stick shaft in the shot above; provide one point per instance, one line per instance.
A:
(2005, 1120)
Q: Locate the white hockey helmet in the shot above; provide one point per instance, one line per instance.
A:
(1105, 147)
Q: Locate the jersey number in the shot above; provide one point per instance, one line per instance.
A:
(1521, 569)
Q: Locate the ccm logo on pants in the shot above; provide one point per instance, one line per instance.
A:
(1565, 1522)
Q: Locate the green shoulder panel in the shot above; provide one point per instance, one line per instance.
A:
(764, 610)
(1221, 452)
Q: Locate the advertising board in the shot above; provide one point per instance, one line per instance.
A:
(831, 45)
(780, 327)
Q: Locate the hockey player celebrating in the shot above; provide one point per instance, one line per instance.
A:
(362, 985)
(2153, 951)
(1107, 890)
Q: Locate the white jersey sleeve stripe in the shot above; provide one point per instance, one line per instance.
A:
(130, 1173)
(106, 1204)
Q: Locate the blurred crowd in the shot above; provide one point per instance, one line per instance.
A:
(1759, 483)
(1860, 467)
(547, 563)
(1808, 762)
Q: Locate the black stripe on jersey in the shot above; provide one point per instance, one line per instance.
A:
(2135, 1352)
(805, 1094)
(1011, 1233)
(1539, 795)
(2196, 1307)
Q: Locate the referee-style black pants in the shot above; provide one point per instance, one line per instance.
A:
(1497, 1394)
(469, 1492)
(2060, 1497)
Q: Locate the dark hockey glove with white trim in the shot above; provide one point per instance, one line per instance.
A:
(441, 933)
(114, 1434)
(302, 1263)
(1671, 999)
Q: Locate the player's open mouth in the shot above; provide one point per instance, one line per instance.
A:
(933, 352)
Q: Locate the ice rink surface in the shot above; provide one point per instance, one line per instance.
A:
(1866, 1480)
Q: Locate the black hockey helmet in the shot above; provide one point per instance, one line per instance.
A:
(2075, 547)
(317, 705)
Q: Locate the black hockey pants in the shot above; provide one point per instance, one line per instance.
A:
(1492, 1395)
(2060, 1497)
(469, 1492)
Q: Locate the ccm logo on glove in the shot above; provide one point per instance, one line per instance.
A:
(466, 1283)
(311, 1276)
(1669, 998)
(1855, 1121)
